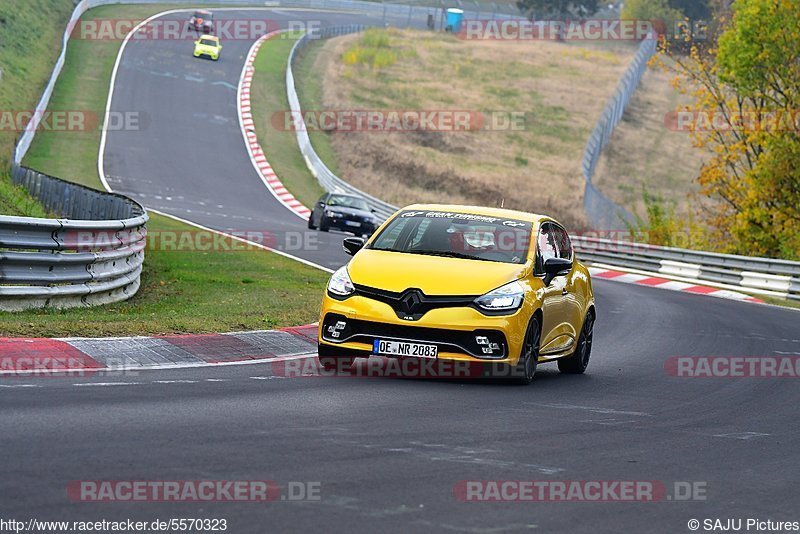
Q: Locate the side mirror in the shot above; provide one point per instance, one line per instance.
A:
(555, 267)
(351, 245)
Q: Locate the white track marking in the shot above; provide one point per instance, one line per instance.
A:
(741, 435)
(237, 238)
(161, 367)
(104, 384)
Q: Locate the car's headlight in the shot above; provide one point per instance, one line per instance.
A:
(505, 298)
(332, 214)
(340, 283)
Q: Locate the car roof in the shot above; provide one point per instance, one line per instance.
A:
(482, 210)
(203, 11)
(344, 195)
(212, 37)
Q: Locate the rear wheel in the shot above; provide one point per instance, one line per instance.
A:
(311, 222)
(576, 363)
(526, 367)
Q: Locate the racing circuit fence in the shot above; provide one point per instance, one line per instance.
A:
(601, 210)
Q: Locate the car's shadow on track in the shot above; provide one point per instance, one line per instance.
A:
(392, 369)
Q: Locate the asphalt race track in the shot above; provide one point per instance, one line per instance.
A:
(189, 158)
(388, 452)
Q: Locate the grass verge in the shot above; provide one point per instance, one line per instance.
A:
(29, 45)
(185, 290)
(270, 108)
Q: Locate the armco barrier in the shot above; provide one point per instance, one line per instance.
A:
(764, 276)
(93, 255)
(326, 178)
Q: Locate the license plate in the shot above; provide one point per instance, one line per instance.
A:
(352, 223)
(402, 348)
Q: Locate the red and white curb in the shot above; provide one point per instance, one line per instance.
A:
(257, 156)
(672, 285)
(90, 356)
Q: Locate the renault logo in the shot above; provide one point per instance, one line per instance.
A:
(410, 301)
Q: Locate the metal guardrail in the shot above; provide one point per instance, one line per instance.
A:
(93, 255)
(764, 276)
(604, 213)
(326, 178)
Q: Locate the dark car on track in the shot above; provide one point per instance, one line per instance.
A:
(343, 212)
(202, 20)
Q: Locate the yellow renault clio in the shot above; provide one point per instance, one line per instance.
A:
(470, 284)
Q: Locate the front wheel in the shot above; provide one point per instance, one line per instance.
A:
(526, 366)
(323, 224)
(576, 363)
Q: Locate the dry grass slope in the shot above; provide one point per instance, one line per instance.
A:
(561, 88)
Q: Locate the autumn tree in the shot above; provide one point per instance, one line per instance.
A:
(746, 97)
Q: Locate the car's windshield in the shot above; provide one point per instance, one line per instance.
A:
(458, 235)
(348, 202)
(202, 15)
(208, 42)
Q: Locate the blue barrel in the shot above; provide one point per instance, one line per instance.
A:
(455, 17)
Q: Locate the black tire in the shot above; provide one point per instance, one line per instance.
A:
(525, 369)
(576, 363)
(323, 224)
(311, 222)
(334, 359)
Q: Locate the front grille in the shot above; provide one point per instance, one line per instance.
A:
(457, 341)
(412, 303)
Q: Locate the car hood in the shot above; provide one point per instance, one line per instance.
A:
(433, 275)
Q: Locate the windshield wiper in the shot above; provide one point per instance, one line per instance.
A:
(448, 254)
(442, 253)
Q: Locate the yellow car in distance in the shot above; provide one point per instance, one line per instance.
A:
(209, 46)
(493, 287)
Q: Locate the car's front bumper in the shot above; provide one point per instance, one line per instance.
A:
(347, 225)
(453, 330)
(199, 52)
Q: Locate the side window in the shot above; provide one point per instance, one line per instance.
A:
(546, 244)
(562, 242)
